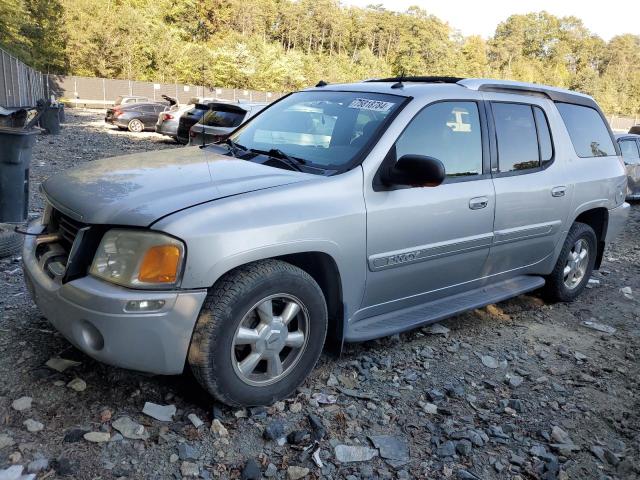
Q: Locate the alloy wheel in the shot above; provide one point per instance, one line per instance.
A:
(270, 340)
(577, 263)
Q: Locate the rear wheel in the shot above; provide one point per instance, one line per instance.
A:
(575, 264)
(259, 334)
(135, 126)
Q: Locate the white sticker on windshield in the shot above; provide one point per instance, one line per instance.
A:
(374, 105)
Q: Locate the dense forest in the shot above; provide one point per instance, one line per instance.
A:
(280, 45)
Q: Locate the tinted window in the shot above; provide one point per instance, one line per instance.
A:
(448, 131)
(544, 135)
(630, 152)
(146, 108)
(222, 118)
(517, 137)
(588, 132)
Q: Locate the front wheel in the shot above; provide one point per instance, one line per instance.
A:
(259, 334)
(575, 264)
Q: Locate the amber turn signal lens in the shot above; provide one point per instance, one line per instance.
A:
(160, 264)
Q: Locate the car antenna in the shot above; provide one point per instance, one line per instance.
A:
(321, 83)
(399, 83)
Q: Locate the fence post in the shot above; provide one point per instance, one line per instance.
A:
(4, 76)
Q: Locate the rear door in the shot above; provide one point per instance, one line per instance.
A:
(533, 197)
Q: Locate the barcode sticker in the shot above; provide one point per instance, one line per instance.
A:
(374, 105)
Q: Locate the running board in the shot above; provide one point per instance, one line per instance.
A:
(413, 317)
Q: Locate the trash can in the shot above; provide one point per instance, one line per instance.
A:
(50, 119)
(61, 113)
(15, 159)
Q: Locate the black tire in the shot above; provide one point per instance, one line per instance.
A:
(10, 241)
(555, 288)
(227, 304)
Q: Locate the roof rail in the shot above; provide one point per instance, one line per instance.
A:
(419, 79)
(523, 88)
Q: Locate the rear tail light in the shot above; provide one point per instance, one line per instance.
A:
(192, 134)
(168, 116)
(117, 113)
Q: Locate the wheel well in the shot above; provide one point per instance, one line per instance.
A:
(324, 270)
(597, 219)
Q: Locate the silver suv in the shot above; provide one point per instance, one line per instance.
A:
(340, 213)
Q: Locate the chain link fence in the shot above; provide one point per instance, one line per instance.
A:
(102, 92)
(20, 85)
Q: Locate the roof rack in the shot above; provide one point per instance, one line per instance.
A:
(523, 88)
(420, 79)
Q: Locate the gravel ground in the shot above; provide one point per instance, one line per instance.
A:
(518, 390)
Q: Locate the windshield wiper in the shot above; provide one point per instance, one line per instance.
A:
(277, 154)
(234, 147)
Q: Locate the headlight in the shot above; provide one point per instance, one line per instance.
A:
(139, 259)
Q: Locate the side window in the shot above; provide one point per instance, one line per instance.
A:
(517, 136)
(630, 152)
(448, 131)
(588, 132)
(544, 135)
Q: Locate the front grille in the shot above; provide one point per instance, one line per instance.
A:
(56, 242)
(67, 228)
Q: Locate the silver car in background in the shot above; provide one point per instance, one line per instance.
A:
(630, 148)
(168, 121)
(220, 120)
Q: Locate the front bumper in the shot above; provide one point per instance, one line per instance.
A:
(617, 219)
(90, 313)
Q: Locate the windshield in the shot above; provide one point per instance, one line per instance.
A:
(323, 128)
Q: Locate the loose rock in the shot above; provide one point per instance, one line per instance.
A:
(130, 429)
(77, 384)
(296, 473)
(218, 429)
(193, 418)
(188, 469)
(164, 413)
(488, 361)
(97, 437)
(354, 453)
(251, 471)
(61, 364)
(33, 425)
(22, 404)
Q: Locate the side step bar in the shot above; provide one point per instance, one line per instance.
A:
(413, 317)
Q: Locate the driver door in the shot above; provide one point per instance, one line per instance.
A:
(426, 243)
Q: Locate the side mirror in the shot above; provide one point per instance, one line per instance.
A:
(416, 171)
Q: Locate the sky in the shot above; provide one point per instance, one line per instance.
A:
(480, 17)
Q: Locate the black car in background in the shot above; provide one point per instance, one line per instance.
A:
(189, 119)
(136, 117)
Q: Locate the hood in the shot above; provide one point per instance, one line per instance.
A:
(139, 189)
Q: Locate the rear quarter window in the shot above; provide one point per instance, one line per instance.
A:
(587, 130)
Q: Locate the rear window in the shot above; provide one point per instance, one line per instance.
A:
(223, 118)
(588, 132)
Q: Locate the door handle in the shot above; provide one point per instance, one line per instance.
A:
(478, 202)
(558, 191)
